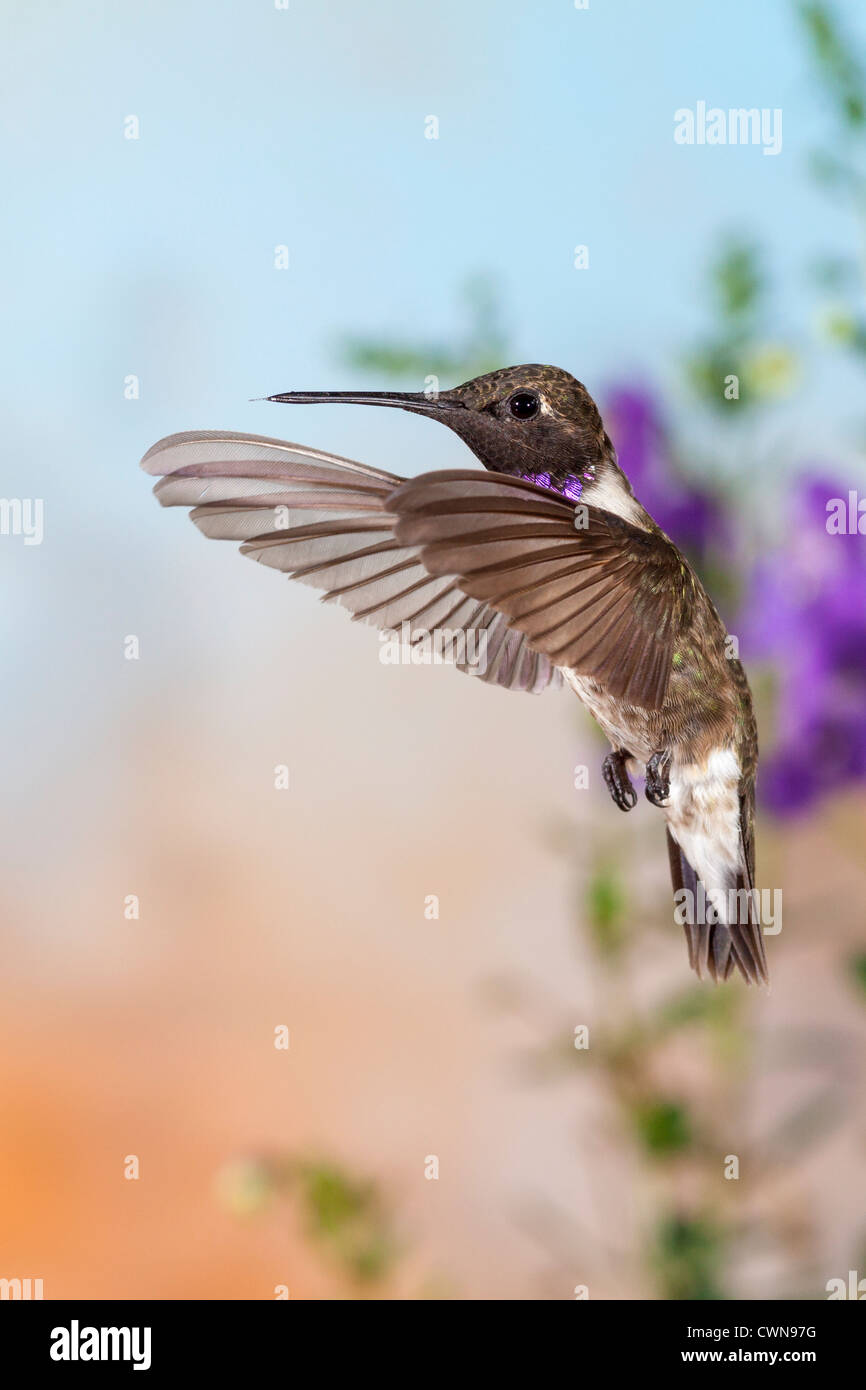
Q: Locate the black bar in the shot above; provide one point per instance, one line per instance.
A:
(219, 1339)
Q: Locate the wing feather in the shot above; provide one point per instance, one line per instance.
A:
(324, 521)
(444, 549)
(605, 598)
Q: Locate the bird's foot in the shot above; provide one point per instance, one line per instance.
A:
(658, 783)
(617, 779)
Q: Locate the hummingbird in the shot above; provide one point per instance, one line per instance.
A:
(549, 553)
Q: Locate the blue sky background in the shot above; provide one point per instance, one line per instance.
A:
(306, 127)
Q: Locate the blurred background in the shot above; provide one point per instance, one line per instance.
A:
(209, 202)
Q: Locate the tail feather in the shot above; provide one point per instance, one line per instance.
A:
(715, 948)
(750, 936)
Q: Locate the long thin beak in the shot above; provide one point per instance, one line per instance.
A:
(416, 401)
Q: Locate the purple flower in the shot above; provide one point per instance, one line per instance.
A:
(806, 610)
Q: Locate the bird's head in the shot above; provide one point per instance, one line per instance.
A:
(533, 421)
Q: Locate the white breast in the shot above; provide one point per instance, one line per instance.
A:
(704, 817)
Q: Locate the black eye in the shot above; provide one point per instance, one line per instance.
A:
(523, 405)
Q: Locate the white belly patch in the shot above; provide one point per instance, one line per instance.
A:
(704, 817)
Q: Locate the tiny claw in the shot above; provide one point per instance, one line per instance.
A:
(617, 779)
(658, 785)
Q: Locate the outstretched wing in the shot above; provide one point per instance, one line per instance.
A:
(324, 520)
(463, 550)
(589, 590)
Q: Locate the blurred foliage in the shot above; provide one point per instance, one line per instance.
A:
(343, 1216)
(687, 1254)
(482, 348)
(857, 966)
(348, 1216)
(764, 369)
(711, 1007)
(838, 69)
(739, 344)
(244, 1186)
(839, 166)
(663, 1126)
(739, 283)
(606, 907)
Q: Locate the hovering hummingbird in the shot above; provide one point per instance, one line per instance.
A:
(552, 556)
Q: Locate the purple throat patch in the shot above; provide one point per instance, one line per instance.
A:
(571, 487)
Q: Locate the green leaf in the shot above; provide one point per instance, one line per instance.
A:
(663, 1127)
(696, 1004)
(605, 906)
(738, 280)
(857, 970)
(332, 1199)
(687, 1256)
